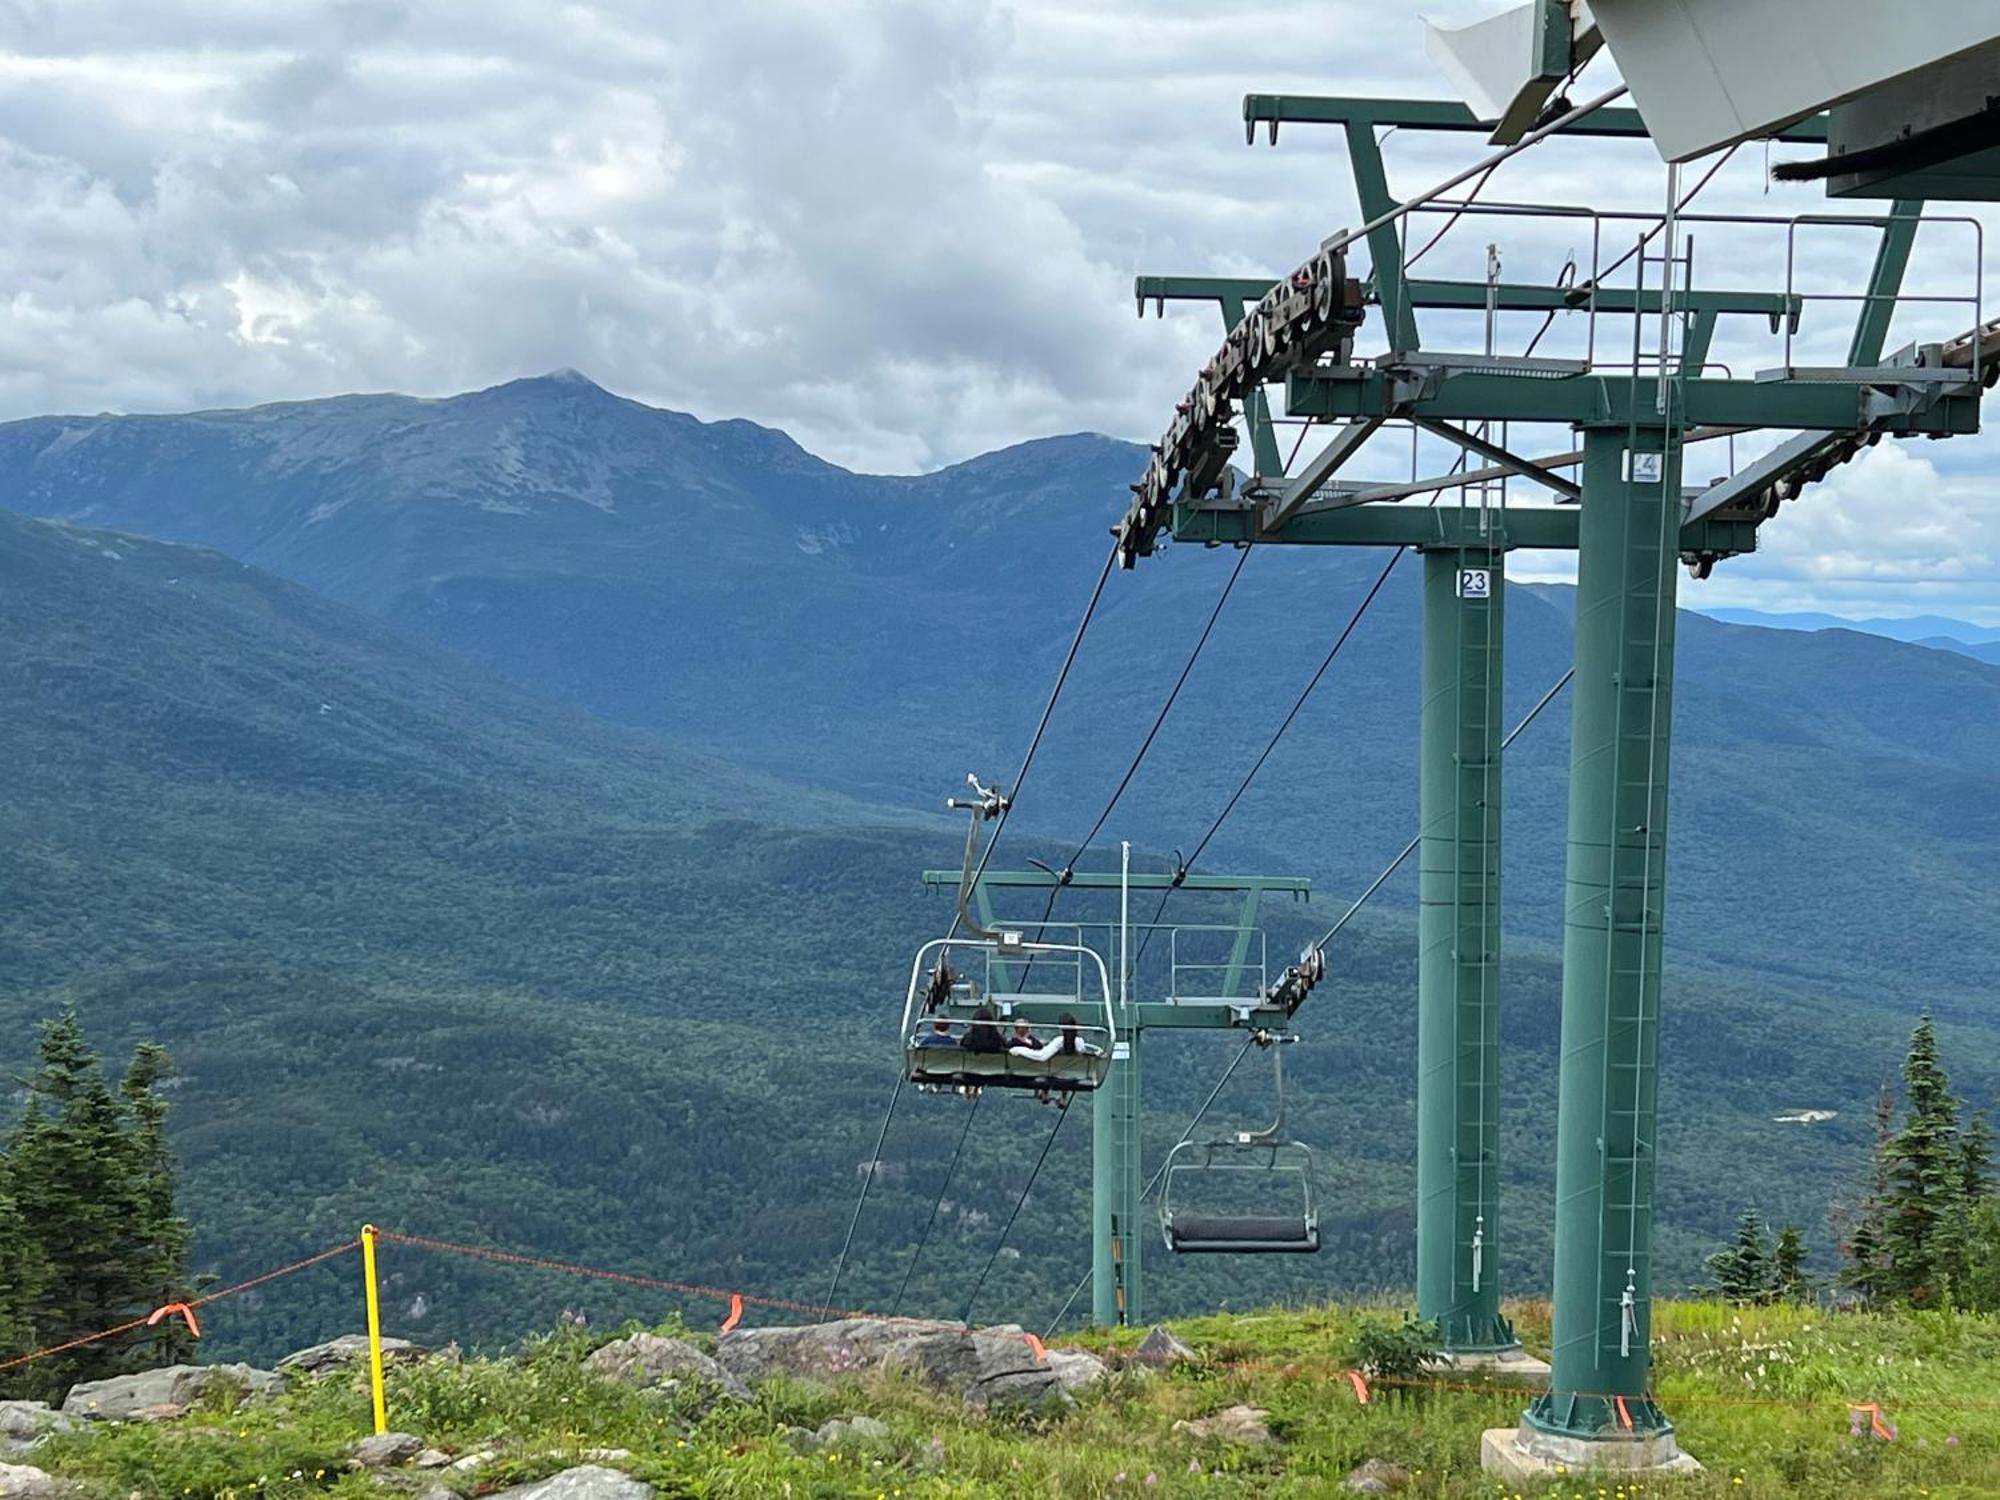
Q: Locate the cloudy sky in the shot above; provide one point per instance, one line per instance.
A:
(903, 230)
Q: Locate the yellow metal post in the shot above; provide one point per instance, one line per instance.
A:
(374, 1329)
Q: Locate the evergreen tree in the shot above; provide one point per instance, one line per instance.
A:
(157, 1247)
(1866, 1251)
(19, 1274)
(1922, 1223)
(92, 1185)
(1975, 1156)
(1743, 1271)
(1789, 1282)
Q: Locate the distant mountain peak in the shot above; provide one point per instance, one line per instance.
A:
(568, 375)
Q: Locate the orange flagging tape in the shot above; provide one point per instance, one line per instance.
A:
(1873, 1412)
(170, 1310)
(1360, 1383)
(735, 1312)
(1624, 1416)
(1040, 1349)
(203, 1301)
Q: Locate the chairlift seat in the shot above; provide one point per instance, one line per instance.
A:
(1234, 1234)
(954, 1067)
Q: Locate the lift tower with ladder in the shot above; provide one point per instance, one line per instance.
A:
(1635, 411)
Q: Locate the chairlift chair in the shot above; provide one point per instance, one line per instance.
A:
(1194, 1232)
(940, 1002)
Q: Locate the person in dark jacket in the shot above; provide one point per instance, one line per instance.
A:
(983, 1035)
(938, 1036)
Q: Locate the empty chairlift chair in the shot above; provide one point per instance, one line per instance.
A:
(1287, 1223)
(966, 997)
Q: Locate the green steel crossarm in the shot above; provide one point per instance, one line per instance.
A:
(1109, 880)
(1610, 401)
(1447, 114)
(1512, 296)
(1539, 528)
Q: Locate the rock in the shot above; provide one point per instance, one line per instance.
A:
(1234, 1424)
(346, 1349)
(438, 1492)
(387, 1449)
(801, 1440)
(1076, 1369)
(648, 1360)
(125, 1397)
(20, 1482)
(1378, 1477)
(856, 1430)
(25, 1423)
(431, 1458)
(474, 1460)
(988, 1367)
(165, 1411)
(585, 1482)
(1161, 1347)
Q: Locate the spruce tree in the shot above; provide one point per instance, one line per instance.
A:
(157, 1246)
(1865, 1253)
(92, 1185)
(1922, 1223)
(1975, 1157)
(19, 1275)
(1742, 1272)
(1789, 1282)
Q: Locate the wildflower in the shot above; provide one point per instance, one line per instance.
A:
(1152, 1479)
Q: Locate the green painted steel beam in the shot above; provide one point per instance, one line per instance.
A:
(1470, 296)
(1885, 281)
(1385, 245)
(1614, 896)
(1458, 950)
(1449, 114)
(1615, 401)
(1404, 525)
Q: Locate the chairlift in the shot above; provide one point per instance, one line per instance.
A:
(962, 1029)
(959, 1026)
(1191, 1231)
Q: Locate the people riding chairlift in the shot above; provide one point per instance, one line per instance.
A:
(938, 1036)
(1069, 1041)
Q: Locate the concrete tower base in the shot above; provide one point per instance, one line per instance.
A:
(1502, 1364)
(1525, 1455)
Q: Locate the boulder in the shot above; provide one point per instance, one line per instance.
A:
(650, 1361)
(125, 1397)
(346, 1349)
(20, 1482)
(387, 1449)
(1076, 1369)
(1233, 1424)
(585, 1482)
(1161, 1347)
(25, 1423)
(1378, 1477)
(983, 1368)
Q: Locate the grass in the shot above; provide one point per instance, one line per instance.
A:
(1759, 1395)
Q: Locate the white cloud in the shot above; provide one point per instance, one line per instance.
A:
(903, 230)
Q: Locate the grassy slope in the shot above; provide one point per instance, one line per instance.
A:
(1758, 1395)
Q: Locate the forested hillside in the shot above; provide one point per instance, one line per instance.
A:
(1836, 795)
(437, 953)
